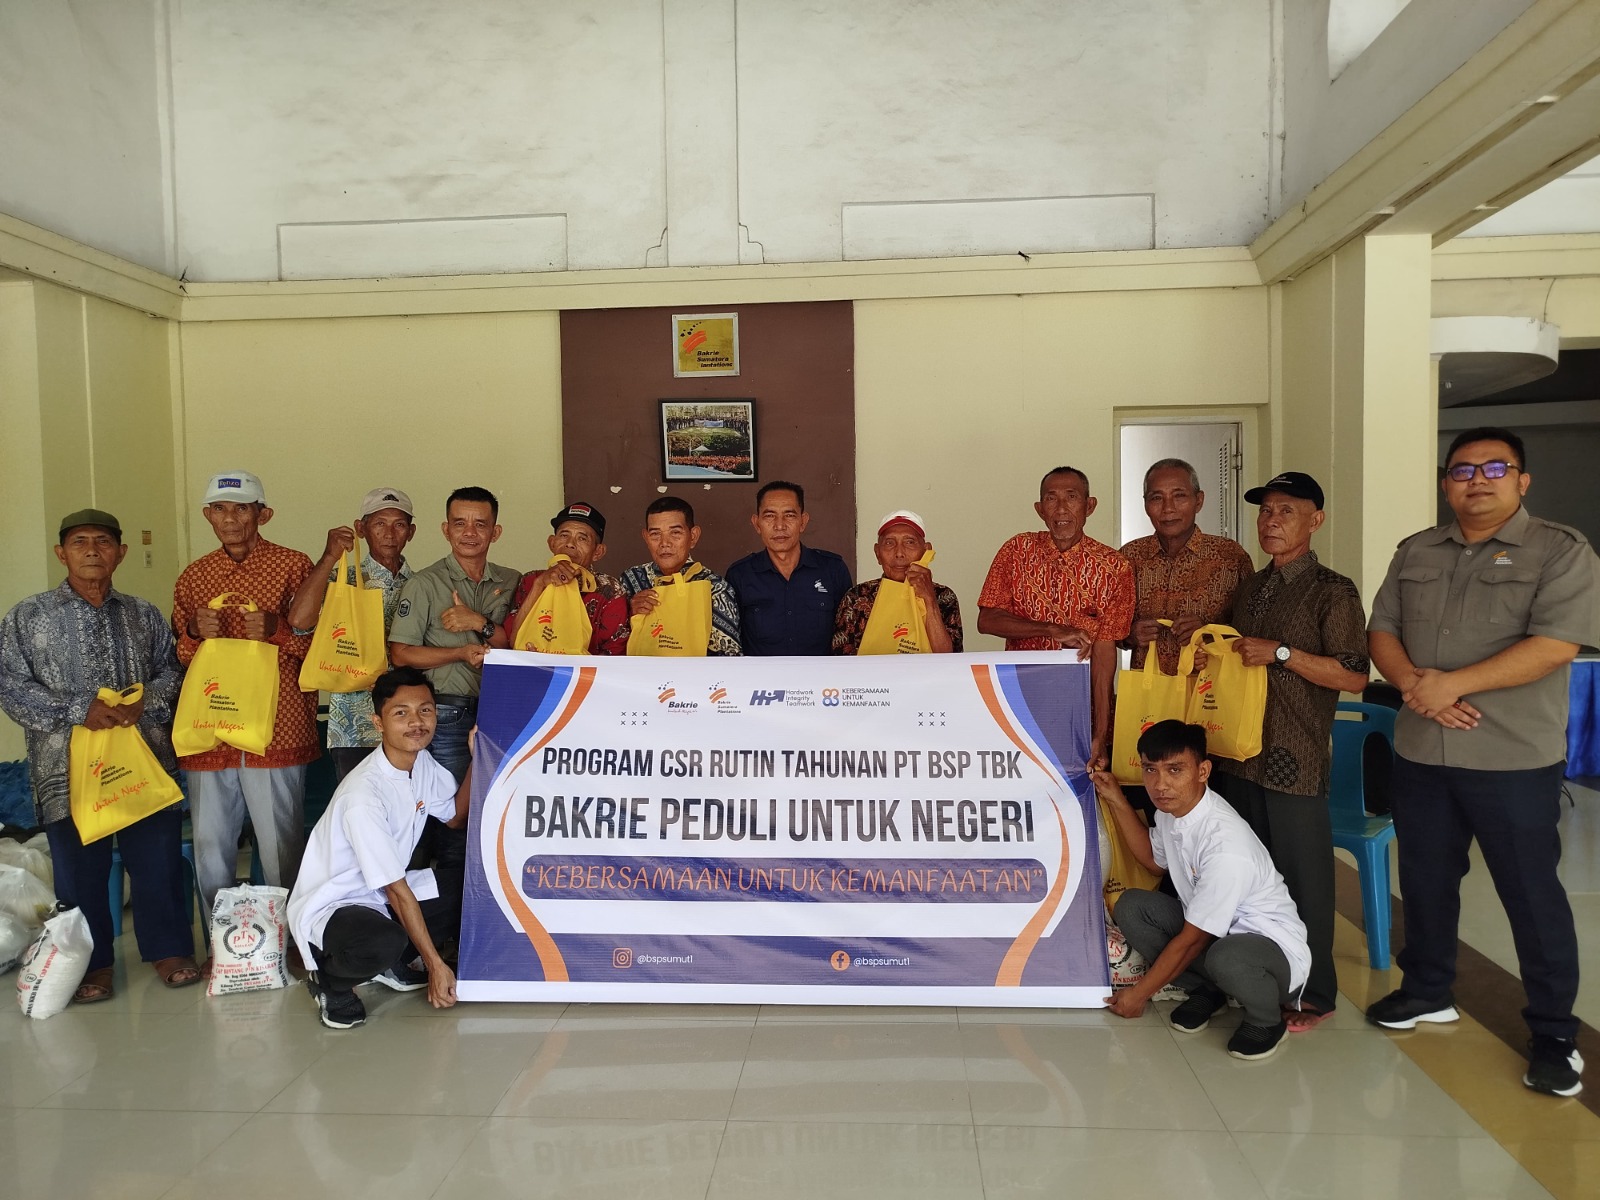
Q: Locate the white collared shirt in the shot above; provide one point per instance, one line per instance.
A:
(364, 841)
(1226, 881)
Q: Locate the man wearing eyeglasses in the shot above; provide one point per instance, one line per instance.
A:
(1477, 622)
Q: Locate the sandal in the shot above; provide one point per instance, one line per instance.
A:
(96, 986)
(177, 972)
(1303, 1020)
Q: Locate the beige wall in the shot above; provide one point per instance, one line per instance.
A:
(85, 403)
(324, 410)
(1358, 410)
(963, 403)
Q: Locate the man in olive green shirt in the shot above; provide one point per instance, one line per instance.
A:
(449, 617)
(1476, 624)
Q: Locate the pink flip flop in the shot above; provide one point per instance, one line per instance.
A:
(1304, 1020)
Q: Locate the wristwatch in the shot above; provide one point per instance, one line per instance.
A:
(487, 631)
(1282, 654)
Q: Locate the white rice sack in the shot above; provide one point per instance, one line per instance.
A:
(54, 965)
(249, 940)
(1127, 964)
(14, 939)
(31, 857)
(24, 897)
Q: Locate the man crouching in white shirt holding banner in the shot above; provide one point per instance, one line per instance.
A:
(1233, 931)
(356, 913)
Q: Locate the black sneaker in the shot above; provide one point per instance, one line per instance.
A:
(1194, 1014)
(338, 1010)
(1398, 1010)
(1554, 1067)
(1254, 1042)
(402, 977)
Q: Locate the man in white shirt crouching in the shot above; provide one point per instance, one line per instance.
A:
(356, 913)
(1233, 930)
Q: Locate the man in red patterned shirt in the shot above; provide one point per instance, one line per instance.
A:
(1060, 589)
(225, 783)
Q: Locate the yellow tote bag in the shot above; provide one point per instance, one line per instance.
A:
(1121, 870)
(898, 621)
(113, 777)
(1230, 698)
(680, 624)
(230, 694)
(1145, 697)
(557, 622)
(349, 649)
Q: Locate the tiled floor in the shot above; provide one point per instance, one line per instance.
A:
(160, 1093)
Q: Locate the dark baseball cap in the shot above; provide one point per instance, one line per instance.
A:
(1290, 483)
(587, 513)
(90, 516)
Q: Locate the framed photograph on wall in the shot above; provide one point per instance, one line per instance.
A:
(705, 344)
(708, 441)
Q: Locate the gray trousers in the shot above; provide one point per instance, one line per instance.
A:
(1247, 966)
(1298, 832)
(274, 798)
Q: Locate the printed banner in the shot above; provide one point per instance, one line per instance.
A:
(905, 830)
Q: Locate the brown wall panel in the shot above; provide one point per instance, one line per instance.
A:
(796, 362)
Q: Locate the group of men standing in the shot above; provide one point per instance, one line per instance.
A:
(1475, 624)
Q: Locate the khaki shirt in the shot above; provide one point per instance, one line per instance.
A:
(1452, 604)
(427, 594)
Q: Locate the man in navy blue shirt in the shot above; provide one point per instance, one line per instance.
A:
(787, 592)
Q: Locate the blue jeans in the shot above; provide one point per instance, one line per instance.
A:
(457, 716)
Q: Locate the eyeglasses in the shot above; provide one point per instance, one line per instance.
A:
(1463, 472)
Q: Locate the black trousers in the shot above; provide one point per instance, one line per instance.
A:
(347, 759)
(1514, 815)
(152, 852)
(360, 943)
(1298, 832)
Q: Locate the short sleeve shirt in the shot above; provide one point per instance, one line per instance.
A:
(269, 575)
(364, 841)
(1198, 581)
(1309, 608)
(1090, 587)
(428, 593)
(1453, 604)
(1226, 882)
(793, 615)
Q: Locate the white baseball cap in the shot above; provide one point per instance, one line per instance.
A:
(240, 487)
(379, 499)
(903, 516)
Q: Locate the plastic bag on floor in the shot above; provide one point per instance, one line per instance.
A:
(54, 965)
(249, 940)
(24, 897)
(14, 939)
(32, 858)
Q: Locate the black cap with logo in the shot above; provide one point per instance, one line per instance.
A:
(1290, 483)
(587, 513)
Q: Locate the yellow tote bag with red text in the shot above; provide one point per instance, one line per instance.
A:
(230, 694)
(349, 649)
(680, 624)
(557, 622)
(113, 776)
(1145, 697)
(898, 621)
(1229, 698)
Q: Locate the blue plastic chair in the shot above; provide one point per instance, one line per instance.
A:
(1354, 829)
